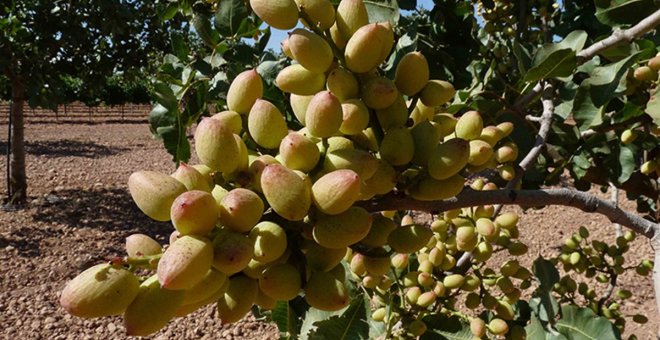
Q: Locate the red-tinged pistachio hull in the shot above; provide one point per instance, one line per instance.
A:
(185, 262)
(310, 50)
(215, 145)
(240, 210)
(336, 191)
(299, 152)
(266, 124)
(191, 178)
(324, 115)
(194, 213)
(244, 90)
(286, 192)
(232, 252)
(280, 14)
(142, 245)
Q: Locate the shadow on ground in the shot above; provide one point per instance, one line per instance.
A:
(108, 209)
(67, 148)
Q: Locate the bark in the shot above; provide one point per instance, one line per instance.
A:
(17, 177)
(524, 198)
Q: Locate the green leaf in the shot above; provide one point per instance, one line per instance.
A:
(229, 16)
(285, 319)
(567, 93)
(544, 304)
(558, 59)
(626, 12)
(383, 10)
(179, 47)
(594, 93)
(545, 272)
(585, 112)
(313, 316)
(536, 331)
(610, 80)
(630, 110)
(523, 57)
(582, 324)
(653, 106)
(170, 11)
(351, 324)
(202, 25)
(165, 97)
(627, 162)
(175, 143)
(165, 126)
(441, 327)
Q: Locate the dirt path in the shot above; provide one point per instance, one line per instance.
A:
(80, 214)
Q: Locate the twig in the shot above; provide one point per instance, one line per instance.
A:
(523, 101)
(622, 36)
(647, 24)
(541, 137)
(600, 129)
(610, 290)
(614, 197)
(525, 198)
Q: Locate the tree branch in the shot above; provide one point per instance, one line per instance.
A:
(614, 197)
(523, 101)
(544, 130)
(618, 37)
(622, 36)
(525, 198)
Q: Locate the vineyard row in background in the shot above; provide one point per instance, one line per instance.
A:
(79, 112)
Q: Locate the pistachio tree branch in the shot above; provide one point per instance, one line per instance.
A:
(527, 98)
(541, 137)
(618, 37)
(622, 36)
(525, 198)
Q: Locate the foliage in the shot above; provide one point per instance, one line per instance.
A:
(81, 41)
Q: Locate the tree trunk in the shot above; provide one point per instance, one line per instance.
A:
(17, 178)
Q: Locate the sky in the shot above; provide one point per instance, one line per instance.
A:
(279, 35)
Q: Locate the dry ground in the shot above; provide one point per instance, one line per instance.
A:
(80, 213)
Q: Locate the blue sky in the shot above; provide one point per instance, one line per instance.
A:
(279, 35)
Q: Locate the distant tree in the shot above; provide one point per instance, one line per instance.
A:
(43, 41)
